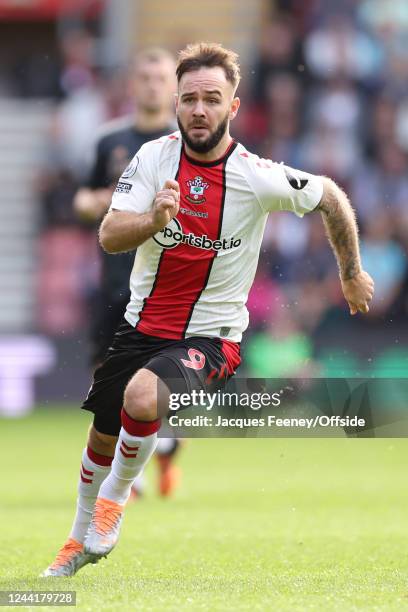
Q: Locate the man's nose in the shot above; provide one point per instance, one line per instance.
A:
(198, 110)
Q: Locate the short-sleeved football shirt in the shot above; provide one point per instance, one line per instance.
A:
(193, 277)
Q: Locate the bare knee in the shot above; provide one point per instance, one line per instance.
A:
(140, 401)
(102, 443)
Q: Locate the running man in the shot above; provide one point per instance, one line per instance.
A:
(194, 204)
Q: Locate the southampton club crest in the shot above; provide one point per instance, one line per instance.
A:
(197, 188)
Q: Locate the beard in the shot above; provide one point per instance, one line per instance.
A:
(205, 146)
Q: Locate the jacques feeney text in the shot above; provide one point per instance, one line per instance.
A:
(272, 420)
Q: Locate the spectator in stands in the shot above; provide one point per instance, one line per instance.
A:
(384, 257)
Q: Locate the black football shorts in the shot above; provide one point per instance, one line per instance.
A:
(183, 365)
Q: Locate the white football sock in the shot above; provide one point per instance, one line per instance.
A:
(94, 470)
(136, 444)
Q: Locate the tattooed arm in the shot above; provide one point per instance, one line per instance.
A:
(341, 227)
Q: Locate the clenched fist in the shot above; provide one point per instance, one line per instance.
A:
(358, 292)
(166, 204)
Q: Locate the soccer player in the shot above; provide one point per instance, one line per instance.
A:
(194, 204)
(152, 86)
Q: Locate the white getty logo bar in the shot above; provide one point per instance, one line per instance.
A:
(172, 235)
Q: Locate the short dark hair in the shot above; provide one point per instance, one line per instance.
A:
(209, 55)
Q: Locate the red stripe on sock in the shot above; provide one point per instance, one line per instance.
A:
(128, 455)
(84, 475)
(85, 471)
(86, 480)
(97, 458)
(128, 451)
(139, 428)
(130, 448)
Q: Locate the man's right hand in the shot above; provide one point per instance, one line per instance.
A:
(166, 204)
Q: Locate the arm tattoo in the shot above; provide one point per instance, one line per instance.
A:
(341, 228)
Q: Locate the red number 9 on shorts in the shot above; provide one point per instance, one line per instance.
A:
(197, 360)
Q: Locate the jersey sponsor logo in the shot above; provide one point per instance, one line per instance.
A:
(131, 168)
(167, 237)
(197, 188)
(172, 235)
(122, 187)
(295, 181)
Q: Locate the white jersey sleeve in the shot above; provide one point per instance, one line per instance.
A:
(137, 187)
(279, 187)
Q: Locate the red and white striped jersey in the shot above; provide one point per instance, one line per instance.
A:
(193, 277)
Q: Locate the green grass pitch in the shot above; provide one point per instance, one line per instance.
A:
(261, 524)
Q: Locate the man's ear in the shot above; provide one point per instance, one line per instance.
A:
(235, 104)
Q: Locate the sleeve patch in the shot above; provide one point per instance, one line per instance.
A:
(131, 168)
(123, 187)
(295, 181)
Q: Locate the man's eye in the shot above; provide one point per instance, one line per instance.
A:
(213, 101)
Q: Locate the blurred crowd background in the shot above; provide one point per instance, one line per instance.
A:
(324, 89)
